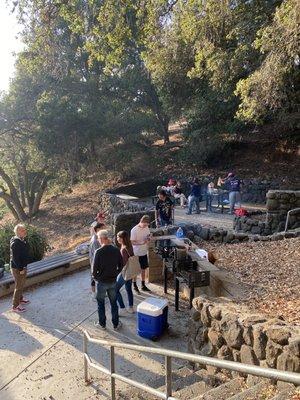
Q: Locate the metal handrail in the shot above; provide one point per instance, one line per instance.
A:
(270, 373)
(293, 211)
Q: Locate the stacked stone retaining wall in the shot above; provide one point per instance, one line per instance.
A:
(221, 328)
(279, 202)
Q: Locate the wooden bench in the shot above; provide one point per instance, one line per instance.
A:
(48, 268)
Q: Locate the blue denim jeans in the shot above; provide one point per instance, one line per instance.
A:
(110, 290)
(128, 286)
(194, 200)
(234, 198)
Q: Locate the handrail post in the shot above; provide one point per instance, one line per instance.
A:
(112, 371)
(168, 368)
(85, 363)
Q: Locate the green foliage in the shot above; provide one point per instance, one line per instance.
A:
(273, 88)
(38, 244)
(115, 72)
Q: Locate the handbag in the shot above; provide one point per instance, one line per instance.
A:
(132, 268)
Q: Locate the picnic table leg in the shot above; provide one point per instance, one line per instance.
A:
(165, 278)
(176, 294)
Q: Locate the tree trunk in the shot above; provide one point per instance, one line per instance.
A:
(21, 190)
(14, 199)
(18, 214)
(39, 195)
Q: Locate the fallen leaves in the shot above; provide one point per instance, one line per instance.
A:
(272, 269)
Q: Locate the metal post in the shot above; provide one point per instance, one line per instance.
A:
(168, 367)
(165, 277)
(176, 293)
(112, 371)
(85, 363)
(192, 294)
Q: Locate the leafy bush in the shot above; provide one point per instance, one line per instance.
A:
(38, 244)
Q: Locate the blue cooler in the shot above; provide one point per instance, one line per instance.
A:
(152, 317)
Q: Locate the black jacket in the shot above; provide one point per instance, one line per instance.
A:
(108, 263)
(19, 253)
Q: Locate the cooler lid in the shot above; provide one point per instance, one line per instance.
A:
(152, 306)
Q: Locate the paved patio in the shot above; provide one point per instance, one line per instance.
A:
(40, 350)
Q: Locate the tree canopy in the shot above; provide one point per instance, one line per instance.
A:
(99, 71)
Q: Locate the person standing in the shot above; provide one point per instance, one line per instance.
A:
(195, 197)
(210, 195)
(126, 252)
(107, 265)
(140, 238)
(19, 258)
(163, 209)
(94, 246)
(233, 185)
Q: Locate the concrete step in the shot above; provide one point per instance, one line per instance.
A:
(283, 395)
(261, 391)
(183, 378)
(178, 375)
(192, 391)
(224, 391)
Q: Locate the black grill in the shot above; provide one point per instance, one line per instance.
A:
(177, 260)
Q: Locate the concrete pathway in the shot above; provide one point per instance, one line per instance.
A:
(40, 350)
(212, 219)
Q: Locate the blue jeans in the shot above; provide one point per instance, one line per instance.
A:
(110, 290)
(128, 286)
(192, 200)
(234, 198)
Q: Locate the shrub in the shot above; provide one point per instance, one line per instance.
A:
(38, 244)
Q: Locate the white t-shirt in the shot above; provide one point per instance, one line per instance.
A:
(139, 234)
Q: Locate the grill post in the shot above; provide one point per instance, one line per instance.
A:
(85, 363)
(168, 367)
(176, 293)
(112, 371)
(165, 277)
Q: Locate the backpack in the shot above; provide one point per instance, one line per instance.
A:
(241, 212)
(132, 268)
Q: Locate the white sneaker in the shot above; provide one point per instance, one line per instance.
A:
(97, 325)
(130, 310)
(116, 328)
(122, 312)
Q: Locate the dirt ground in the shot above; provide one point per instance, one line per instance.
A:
(272, 269)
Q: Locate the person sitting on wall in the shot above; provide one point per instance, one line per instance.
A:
(178, 194)
(163, 209)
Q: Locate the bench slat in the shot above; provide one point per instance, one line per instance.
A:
(45, 265)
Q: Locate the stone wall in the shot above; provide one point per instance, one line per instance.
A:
(197, 232)
(221, 328)
(126, 221)
(252, 225)
(279, 202)
(111, 204)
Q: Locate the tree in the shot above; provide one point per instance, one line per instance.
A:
(273, 89)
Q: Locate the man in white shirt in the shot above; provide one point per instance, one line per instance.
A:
(140, 237)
